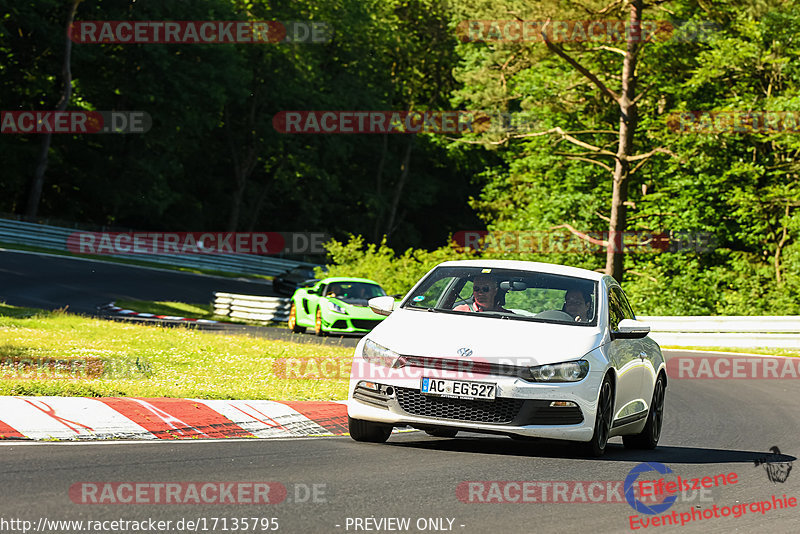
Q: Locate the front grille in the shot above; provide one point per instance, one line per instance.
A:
(500, 411)
(341, 323)
(365, 324)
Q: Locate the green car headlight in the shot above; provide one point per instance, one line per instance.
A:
(379, 355)
(561, 372)
(332, 306)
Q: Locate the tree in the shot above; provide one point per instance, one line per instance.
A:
(41, 163)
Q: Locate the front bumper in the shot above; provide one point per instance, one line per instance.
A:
(349, 325)
(520, 408)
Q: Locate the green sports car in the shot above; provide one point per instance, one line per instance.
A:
(335, 304)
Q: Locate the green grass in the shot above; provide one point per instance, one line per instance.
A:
(152, 361)
(126, 261)
(760, 350)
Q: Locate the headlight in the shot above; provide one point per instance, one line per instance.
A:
(561, 372)
(378, 355)
(332, 306)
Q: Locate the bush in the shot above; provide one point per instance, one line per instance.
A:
(396, 274)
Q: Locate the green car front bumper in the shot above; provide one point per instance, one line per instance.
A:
(357, 320)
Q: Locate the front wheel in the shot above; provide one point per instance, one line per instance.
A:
(293, 320)
(648, 437)
(318, 323)
(602, 424)
(367, 431)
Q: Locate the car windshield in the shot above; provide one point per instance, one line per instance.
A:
(353, 290)
(507, 293)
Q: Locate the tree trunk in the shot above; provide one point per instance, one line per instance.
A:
(781, 244)
(398, 192)
(264, 191)
(35, 194)
(242, 166)
(379, 188)
(627, 127)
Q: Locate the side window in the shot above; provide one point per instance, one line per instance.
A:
(627, 311)
(615, 313)
(431, 295)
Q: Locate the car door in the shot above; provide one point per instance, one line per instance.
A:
(626, 355)
(649, 353)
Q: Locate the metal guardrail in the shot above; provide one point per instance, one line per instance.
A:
(254, 308)
(55, 238)
(726, 331)
(694, 331)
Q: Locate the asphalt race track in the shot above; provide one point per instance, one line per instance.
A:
(333, 484)
(711, 428)
(50, 282)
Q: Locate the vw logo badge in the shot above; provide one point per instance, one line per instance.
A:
(464, 352)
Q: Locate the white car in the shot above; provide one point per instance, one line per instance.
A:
(525, 349)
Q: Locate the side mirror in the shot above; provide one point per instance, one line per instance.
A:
(381, 305)
(630, 329)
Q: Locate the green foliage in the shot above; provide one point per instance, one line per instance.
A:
(395, 273)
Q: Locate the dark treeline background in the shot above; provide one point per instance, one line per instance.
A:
(212, 160)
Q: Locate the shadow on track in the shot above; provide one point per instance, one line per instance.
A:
(672, 455)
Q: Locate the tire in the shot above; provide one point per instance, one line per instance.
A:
(368, 432)
(318, 323)
(602, 424)
(648, 437)
(442, 432)
(293, 320)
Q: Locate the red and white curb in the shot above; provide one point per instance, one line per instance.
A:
(89, 418)
(113, 308)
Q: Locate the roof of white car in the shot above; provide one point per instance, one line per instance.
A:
(536, 266)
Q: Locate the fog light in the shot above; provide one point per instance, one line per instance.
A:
(562, 404)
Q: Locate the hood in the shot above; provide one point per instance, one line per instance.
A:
(436, 334)
(361, 303)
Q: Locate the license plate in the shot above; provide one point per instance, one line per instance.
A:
(458, 389)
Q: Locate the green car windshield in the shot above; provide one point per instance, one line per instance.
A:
(508, 294)
(349, 291)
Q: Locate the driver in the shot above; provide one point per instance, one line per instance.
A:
(578, 304)
(485, 294)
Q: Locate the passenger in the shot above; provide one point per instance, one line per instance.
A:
(486, 296)
(579, 305)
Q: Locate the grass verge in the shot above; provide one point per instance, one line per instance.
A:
(55, 353)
